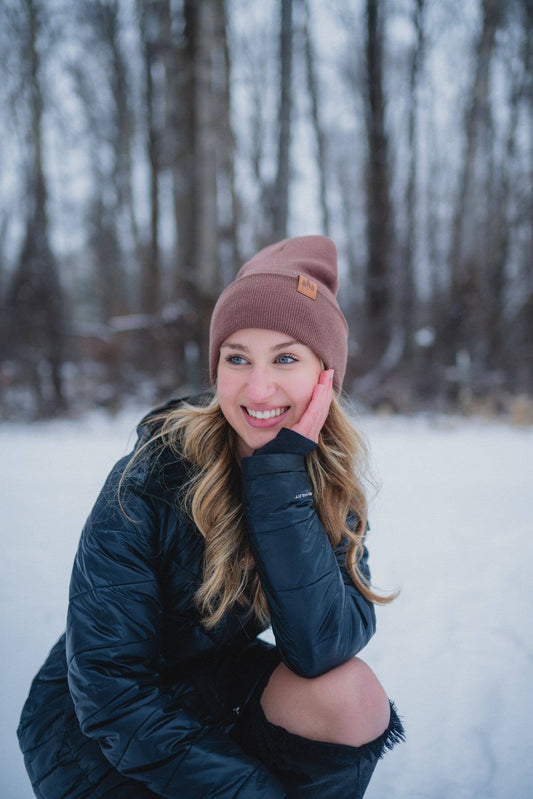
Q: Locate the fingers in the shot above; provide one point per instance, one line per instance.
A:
(322, 396)
(326, 377)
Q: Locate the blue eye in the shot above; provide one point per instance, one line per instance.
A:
(236, 359)
(283, 359)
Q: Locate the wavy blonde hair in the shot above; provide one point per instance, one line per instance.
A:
(337, 469)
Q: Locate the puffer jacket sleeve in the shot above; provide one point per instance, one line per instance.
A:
(113, 643)
(319, 618)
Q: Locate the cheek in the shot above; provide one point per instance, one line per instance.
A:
(227, 390)
(223, 397)
(302, 390)
(223, 381)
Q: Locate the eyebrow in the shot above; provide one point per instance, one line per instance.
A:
(234, 345)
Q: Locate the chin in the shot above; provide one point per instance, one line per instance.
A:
(247, 446)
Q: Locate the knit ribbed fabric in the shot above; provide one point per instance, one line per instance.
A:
(288, 287)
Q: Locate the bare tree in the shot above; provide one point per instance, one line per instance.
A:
(201, 161)
(255, 70)
(35, 297)
(205, 173)
(281, 197)
(314, 93)
(152, 28)
(379, 208)
(182, 122)
(408, 288)
(500, 227)
(464, 326)
(517, 339)
(228, 201)
(101, 81)
(163, 215)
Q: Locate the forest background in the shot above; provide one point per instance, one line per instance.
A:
(147, 149)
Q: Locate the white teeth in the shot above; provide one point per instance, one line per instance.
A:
(265, 414)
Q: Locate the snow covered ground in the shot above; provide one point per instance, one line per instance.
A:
(451, 527)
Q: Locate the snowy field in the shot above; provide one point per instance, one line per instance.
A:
(452, 527)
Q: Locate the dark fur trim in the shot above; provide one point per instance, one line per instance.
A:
(394, 734)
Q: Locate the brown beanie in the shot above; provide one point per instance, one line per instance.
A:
(289, 287)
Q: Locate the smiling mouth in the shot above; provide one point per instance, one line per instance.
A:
(266, 414)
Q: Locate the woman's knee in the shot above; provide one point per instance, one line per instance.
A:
(346, 705)
(358, 702)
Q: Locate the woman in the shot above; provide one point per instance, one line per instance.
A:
(235, 511)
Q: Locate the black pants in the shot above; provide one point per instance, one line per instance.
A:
(312, 769)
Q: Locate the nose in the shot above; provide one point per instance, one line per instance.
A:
(260, 387)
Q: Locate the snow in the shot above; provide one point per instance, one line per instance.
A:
(451, 527)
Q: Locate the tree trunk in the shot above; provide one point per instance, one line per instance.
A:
(408, 287)
(312, 83)
(517, 339)
(281, 198)
(379, 211)
(204, 189)
(150, 267)
(35, 297)
(206, 217)
(183, 125)
(123, 166)
(463, 326)
(228, 206)
(499, 233)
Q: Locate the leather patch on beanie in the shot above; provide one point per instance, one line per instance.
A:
(307, 287)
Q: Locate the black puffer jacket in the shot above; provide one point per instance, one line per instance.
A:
(147, 682)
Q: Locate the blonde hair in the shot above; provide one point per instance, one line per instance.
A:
(211, 496)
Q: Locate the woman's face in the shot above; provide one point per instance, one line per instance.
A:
(265, 381)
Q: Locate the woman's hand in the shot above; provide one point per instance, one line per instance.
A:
(313, 418)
